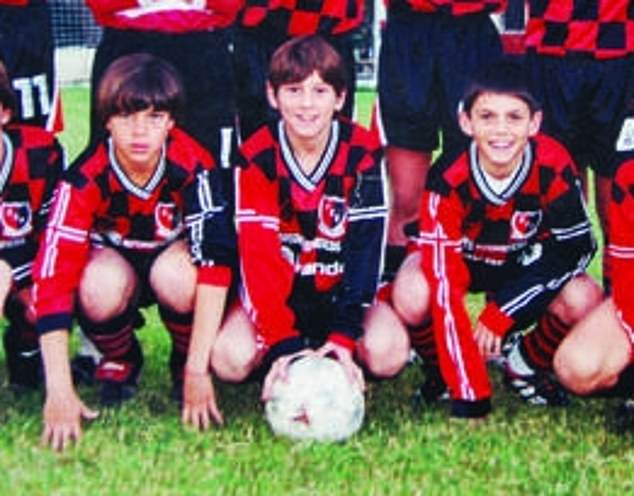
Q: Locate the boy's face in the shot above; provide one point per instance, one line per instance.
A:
(307, 107)
(138, 137)
(500, 124)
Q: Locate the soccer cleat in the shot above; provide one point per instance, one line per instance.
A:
(24, 365)
(432, 390)
(83, 368)
(119, 381)
(539, 388)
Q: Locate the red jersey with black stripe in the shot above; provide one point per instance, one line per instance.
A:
(310, 245)
(600, 28)
(166, 16)
(451, 7)
(32, 164)
(621, 245)
(535, 233)
(304, 17)
(96, 202)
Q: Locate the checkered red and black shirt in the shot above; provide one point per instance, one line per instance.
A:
(96, 202)
(452, 7)
(601, 28)
(303, 239)
(536, 227)
(32, 165)
(304, 17)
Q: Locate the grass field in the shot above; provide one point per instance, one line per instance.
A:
(142, 449)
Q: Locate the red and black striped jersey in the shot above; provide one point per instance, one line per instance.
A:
(32, 164)
(621, 242)
(166, 16)
(536, 227)
(601, 28)
(97, 203)
(303, 17)
(310, 241)
(452, 7)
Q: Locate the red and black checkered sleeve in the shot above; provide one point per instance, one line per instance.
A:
(63, 251)
(364, 242)
(267, 277)
(303, 17)
(441, 222)
(621, 241)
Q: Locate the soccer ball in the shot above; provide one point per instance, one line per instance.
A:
(316, 402)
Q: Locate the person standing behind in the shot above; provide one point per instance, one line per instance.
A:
(580, 54)
(428, 49)
(265, 24)
(27, 48)
(192, 36)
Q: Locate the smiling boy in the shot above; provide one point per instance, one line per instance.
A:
(311, 218)
(507, 218)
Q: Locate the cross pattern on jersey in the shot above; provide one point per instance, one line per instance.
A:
(452, 7)
(97, 203)
(602, 28)
(33, 162)
(302, 17)
(621, 242)
(519, 246)
(310, 245)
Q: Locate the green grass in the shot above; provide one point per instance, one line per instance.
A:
(142, 449)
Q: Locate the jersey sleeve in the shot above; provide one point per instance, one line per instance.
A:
(564, 252)
(267, 277)
(209, 227)
(461, 364)
(62, 255)
(56, 164)
(363, 249)
(621, 243)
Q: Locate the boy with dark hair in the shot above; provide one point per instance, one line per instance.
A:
(507, 218)
(265, 24)
(115, 242)
(31, 162)
(311, 220)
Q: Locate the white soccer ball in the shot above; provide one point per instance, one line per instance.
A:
(317, 402)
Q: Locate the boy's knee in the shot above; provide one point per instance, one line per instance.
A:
(580, 371)
(232, 361)
(385, 353)
(577, 299)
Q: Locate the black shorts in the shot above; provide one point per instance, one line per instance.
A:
(252, 53)
(424, 65)
(20, 258)
(26, 49)
(203, 60)
(585, 103)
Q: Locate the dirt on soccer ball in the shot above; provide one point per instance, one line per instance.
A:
(317, 402)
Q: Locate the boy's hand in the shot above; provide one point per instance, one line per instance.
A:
(199, 401)
(63, 413)
(489, 343)
(344, 356)
(279, 371)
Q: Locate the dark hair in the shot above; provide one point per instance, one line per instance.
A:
(7, 96)
(502, 76)
(299, 57)
(137, 82)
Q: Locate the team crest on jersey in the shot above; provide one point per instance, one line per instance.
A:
(524, 224)
(332, 213)
(16, 219)
(167, 219)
